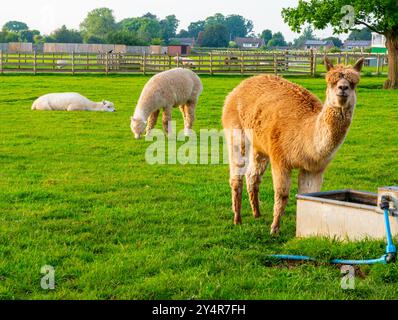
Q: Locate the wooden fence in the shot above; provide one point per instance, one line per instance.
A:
(300, 63)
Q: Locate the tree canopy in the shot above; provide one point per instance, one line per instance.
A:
(215, 35)
(277, 40)
(15, 26)
(362, 34)
(380, 16)
(98, 23)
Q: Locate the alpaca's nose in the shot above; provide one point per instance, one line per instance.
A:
(343, 88)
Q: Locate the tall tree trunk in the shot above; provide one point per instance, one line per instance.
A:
(392, 47)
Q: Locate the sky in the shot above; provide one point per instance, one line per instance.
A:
(46, 16)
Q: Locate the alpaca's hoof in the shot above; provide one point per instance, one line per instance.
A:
(257, 215)
(188, 132)
(238, 221)
(274, 230)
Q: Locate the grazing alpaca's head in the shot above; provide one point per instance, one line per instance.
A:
(342, 82)
(137, 127)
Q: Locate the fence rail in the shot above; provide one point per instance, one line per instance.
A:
(248, 63)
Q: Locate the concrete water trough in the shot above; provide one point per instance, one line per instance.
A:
(345, 214)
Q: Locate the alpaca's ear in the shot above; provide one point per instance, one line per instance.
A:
(328, 64)
(359, 64)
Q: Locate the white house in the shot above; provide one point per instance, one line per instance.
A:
(378, 43)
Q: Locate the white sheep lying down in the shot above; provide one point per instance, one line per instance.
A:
(167, 90)
(70, 101)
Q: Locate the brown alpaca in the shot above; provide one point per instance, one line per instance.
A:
(284, 124)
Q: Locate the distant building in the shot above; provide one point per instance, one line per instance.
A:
(357, 44)
(249, 43)
(378, 43)
(317, 44)
(181, 50)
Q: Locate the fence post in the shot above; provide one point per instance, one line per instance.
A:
(107, 63)
(169, 62)
(286, 57)
(73, 62)
(242, 63)
(378, 64)
(211, 62)
(34, 62)
(144, 63)
(312, 62)
(346, 59)
(275, 65)
(315, 62)
(1, 61)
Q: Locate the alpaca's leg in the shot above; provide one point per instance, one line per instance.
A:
(189, 118)
(282, 181)
(257, 166)
(183, 112)
(167, 121)
(310, 182)
(153, 119)
(73, 108)
(236, 154)
(237, 187)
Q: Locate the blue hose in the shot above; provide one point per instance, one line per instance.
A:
(391, 250)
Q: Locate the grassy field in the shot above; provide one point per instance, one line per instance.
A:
(77, 194)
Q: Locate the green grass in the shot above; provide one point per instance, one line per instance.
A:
(77, 194)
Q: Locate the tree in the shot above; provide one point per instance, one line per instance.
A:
(6, 37)
(215, 35)
(98, 23)
(150, 16)
(64, 35)
(278, 40)
(307, 34)
(238, 26)
(25, 36)
(266, 35)
(195, 27)
(93, 40)
(380, 16)
(145, 28)
(363, 34)
(217, 19)
(168, 27)
(15, 26)
(183, 34)
(128, 38)
(336, 41)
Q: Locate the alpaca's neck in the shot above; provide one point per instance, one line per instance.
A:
(141, 113)
(331, 128)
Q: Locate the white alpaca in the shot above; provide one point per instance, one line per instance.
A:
(62, 64)
(167, 90)
(186, 62)
(70, 102)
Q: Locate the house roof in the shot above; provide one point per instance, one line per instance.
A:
(184, 41)
(318, 42)
(357, 43)
(241, 41)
